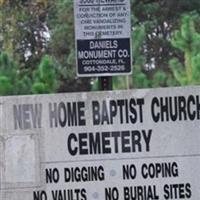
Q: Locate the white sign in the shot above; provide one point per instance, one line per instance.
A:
(103, 32)
(122, 145)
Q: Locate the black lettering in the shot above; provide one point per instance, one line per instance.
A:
(182, 108)
(147, 138)
(95, 111)
(136, 141)
(95, 143)
(198, 107)
(126, 193)
(164, 109)
(133, 111)
(127, 107)
(39, 195)
(181, 192)
(173, 108)
(190, 102)
(121, 105)
(84, 174)
(106, 143)
(125, 141)
(72, 151)
(62, 114)
(166, 192)
(155, 115)
(81, 114)
(72, 114)
(188, 193)
(144, 171)
(140, 192)
(111, 193)
(83, 194)
(105, 117)
(116, 135)
(67, 175)
(52, 175)
(129, 172)
(157, 170)
(83, 143)
(140, 102)
(113, 110)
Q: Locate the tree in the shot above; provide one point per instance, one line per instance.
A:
(31, 29)
(23, 30)
(24, 35)
(62, 46)
(45, 77)
(11, 80)
(153, 23)
(187, 40)
(14, 81)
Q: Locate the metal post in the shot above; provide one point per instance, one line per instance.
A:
(105, 83)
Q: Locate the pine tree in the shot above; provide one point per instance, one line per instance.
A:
(187, 40)
(11, 80)
(45, 77)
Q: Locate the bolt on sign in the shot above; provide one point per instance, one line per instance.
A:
(117, 145)
(103, 37)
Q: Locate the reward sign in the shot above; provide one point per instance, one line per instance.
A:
(103, 34)
(124, 145)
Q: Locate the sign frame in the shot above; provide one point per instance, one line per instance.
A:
(86, 63)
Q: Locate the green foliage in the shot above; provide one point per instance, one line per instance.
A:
(187, 40)
(5, 85)
(45, 77)
(62, 46)
(11, 81)
(14, 81)
(31, 29)
(120, 82)
(22, 24)
(154, 23)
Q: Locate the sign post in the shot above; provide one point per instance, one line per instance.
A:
(103, 37)
(105, 83)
